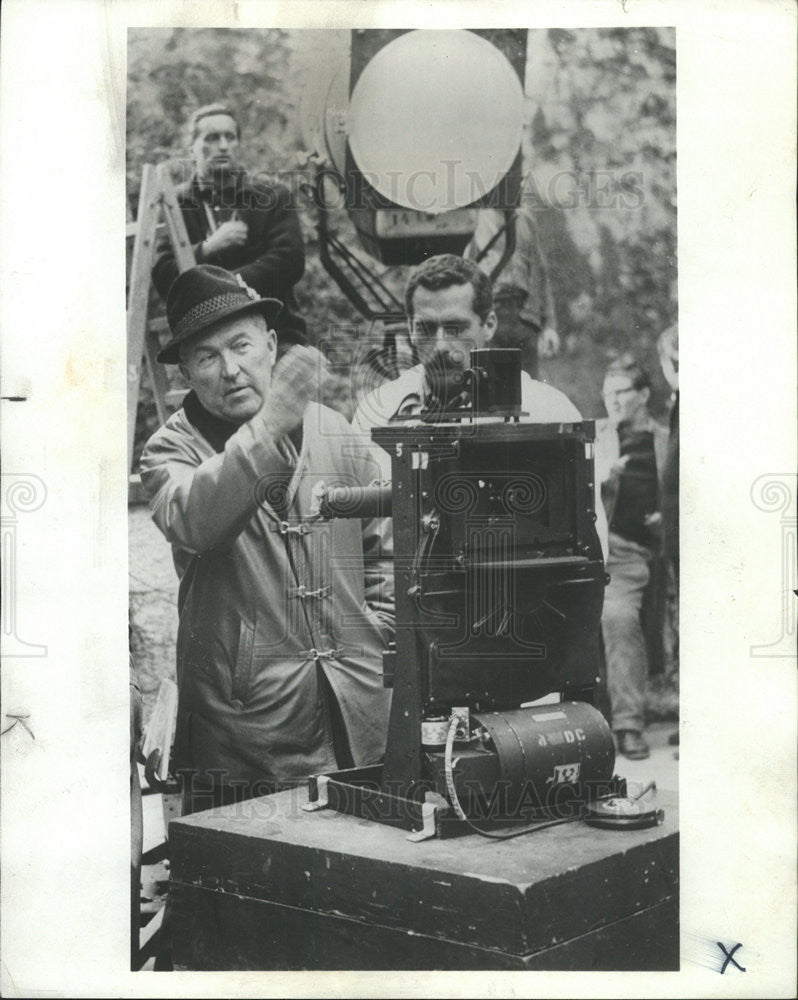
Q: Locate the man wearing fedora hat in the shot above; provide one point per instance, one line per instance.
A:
(283, 619)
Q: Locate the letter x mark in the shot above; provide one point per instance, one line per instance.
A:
(730, 957)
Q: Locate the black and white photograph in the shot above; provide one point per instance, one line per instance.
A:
(367, 507)
(407, 429)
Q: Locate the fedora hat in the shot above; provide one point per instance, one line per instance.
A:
(204, 295)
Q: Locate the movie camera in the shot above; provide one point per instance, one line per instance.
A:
(499, 590)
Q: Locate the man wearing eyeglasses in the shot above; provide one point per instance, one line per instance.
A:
(630, 453)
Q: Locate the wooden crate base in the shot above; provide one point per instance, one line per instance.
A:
(264, 885)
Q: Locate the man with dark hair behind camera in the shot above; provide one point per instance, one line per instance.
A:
(449, 305)
(235, 221)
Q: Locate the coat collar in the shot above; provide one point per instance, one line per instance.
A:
(202, 190)
(215, 430)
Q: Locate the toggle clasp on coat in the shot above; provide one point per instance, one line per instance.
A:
(320, 654)
(293, 529)
(302, 591)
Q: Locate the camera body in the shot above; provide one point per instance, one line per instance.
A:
(499, 582)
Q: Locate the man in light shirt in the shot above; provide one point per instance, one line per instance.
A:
(449, 305)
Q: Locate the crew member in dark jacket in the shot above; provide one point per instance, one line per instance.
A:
(630, 454)
(237, 222)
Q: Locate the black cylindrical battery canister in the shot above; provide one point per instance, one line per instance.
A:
(546, 757)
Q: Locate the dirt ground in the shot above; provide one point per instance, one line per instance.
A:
(153, 603)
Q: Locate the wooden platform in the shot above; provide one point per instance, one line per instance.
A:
(264, 885)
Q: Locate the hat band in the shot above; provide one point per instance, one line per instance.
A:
(219, 305)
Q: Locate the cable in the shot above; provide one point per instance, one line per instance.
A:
(651, 786)
(449, 771)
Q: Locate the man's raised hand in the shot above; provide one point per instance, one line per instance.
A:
(297, 379)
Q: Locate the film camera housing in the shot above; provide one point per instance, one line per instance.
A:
(499, 590)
